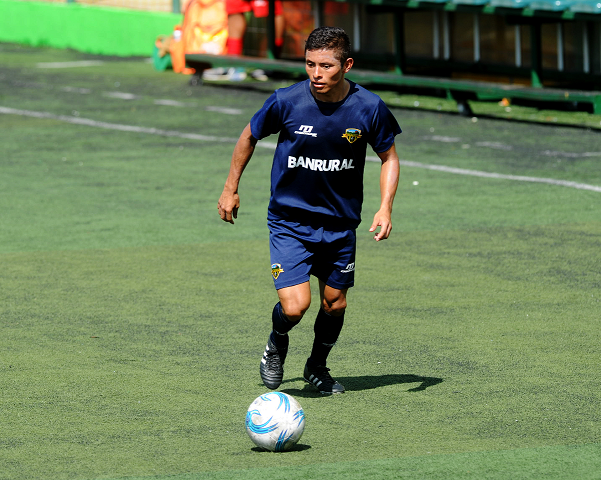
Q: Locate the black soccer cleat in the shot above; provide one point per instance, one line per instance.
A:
(321, 378)
(272, 366)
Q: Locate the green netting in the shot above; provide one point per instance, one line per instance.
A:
(100, 30)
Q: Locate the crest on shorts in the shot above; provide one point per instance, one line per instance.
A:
(352, 134)
(276, 269)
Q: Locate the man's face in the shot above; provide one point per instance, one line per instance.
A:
(326, 73)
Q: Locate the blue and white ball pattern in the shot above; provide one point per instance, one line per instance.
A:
(275, 421)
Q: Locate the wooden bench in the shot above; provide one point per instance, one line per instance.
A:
(460, 90)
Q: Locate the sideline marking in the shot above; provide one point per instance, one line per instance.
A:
(501, 176)
(495, 145)
(441, 138)
(551, 153)
(116, 126)
(83, 91)
(502, 146)
(226, 110)
(129, 96)
(173, 103)
(121, 95)
(126, 128)
(270, 145)
(81, 63)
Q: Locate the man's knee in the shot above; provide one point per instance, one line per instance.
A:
(295, 309)
(295, 301)
(334, 305)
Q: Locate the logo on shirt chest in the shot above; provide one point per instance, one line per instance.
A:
(352, 134)
(306, 130)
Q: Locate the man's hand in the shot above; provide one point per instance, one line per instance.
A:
(389, 179)
(228, 206)
(382, 220)
(229, 202)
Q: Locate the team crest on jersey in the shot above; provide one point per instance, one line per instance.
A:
(276, 269)
(352, 134)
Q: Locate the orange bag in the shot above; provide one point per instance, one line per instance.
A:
(204, 30)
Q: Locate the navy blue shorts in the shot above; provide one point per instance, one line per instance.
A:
(299, 251)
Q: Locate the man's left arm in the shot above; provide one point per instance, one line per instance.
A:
(389, 180)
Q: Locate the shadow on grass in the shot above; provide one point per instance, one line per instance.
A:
(366, 382)
(299, 447)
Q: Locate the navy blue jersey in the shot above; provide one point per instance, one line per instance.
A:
(317, 171)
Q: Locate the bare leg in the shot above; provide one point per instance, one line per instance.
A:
(236, 25)
(295, 301)
(333, 301)
(236, 29)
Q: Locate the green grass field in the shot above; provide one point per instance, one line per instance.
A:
(133, 319)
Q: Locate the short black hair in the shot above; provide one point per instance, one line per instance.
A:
(330, 38)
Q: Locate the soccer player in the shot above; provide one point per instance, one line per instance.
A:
(324, 125)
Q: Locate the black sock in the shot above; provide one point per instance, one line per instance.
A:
(281, 327)
(327, 330)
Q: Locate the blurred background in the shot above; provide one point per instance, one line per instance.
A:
(551, 43)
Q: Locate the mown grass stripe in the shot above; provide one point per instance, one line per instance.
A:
(270, 145)
(555, 462)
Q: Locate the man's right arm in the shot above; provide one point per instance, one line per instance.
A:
(229, 202)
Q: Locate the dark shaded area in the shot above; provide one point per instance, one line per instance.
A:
(367, 382)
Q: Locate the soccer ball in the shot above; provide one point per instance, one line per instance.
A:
(275, 421)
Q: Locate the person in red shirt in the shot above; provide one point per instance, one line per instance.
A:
(237, 22)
